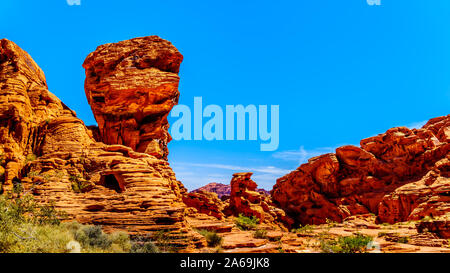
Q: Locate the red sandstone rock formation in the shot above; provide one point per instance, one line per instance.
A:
(51, 151)
(205, 202)
(131, 87)
(400, 175)
(245, 200)
(439, 226)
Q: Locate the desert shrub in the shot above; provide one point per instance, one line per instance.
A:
(403, 240)
(164, 241)
(146, 247)
(331, 223)
(212, 238)
(79, 184)
(47, 214)
(426, 219)
(93, 236)
(348, 244)
(141, 244)
(17, 186)
(260, 234)
(303, 229)
(246, 223)
(120, 241)
(27, 227)
(29, 158)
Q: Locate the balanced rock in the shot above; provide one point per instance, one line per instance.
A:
(132, 86)
(245, 200)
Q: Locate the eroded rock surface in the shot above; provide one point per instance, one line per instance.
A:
(205, 202)
(400, 175)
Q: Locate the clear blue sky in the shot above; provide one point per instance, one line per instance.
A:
(340, 70)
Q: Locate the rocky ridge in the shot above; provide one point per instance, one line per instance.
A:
(401, 175)
(116, 175)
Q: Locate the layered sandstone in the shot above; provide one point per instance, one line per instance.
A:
(400, 175)
(205, 202)
(132, 86)
(50, 151)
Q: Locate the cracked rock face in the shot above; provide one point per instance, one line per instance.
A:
(132, 86)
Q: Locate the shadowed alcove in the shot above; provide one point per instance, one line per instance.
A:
(111, 182)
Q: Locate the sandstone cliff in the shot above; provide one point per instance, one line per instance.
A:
(400, 175)
(49, 151)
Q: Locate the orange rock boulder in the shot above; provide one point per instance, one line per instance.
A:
(132, 86)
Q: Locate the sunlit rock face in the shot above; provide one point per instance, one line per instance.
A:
(132, 86)
(56, 158)
(400, 175)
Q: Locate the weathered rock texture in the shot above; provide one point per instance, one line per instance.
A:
(205, 202)
(131, 87)
(245, 200)
(54, 155)
(400, 175)
(439, 226)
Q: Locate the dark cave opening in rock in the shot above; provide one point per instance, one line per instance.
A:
(112, 183)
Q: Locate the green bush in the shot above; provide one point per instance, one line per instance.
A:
(79, 184)
(212, 238)
(93, 236)
(303, 229)
(163, 240)
(260, 234)
(427, 218)
(403, 240)
(26, 227)
(29, 158)
(147, 247)
(348, 244)
(246, 223)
